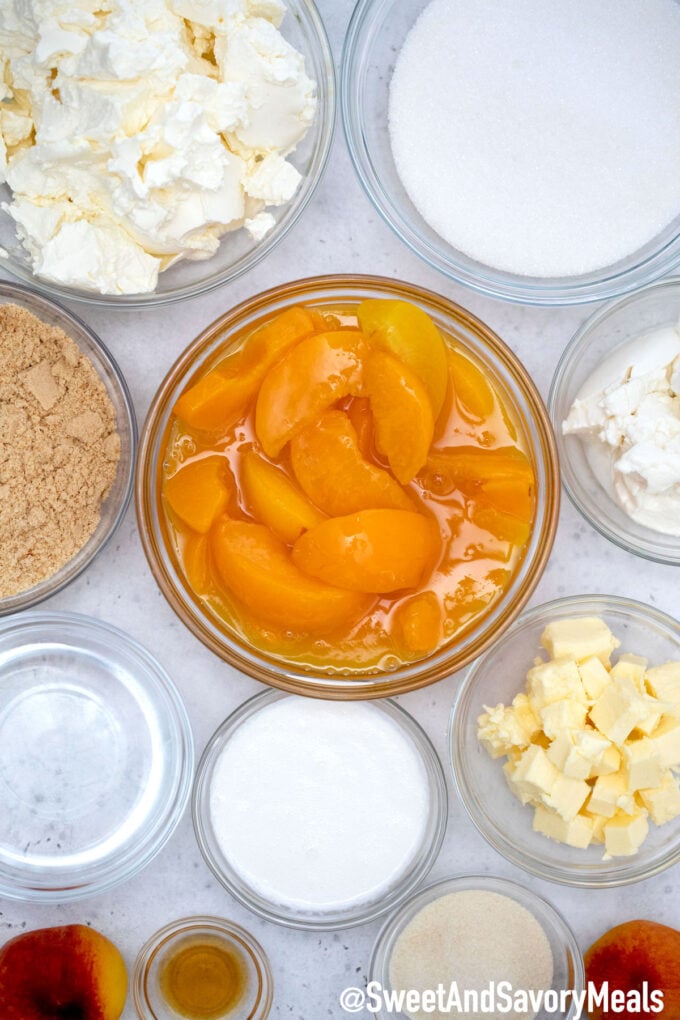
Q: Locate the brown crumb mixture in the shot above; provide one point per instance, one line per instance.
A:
(59, 449)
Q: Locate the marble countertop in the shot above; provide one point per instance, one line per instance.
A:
(339, 233)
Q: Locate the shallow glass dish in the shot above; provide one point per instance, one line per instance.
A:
(97, 757)
(336, 918)
(238, 252)
(599, 337)
(151, 1004)
(568, 967)
(496, 677)
(517, 391)
(375, 36)
(115, 504)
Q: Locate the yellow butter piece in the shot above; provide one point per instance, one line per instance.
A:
(577, 833)
(580, 639)
(624, 834)
(641, 764)
(663, 802)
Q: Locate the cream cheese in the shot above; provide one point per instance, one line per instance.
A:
(133, 135)
(628, 414)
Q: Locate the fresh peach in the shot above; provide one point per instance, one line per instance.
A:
(68, 972)
(637, 958)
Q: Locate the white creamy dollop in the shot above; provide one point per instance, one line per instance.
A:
(136, 134)
(629, 415)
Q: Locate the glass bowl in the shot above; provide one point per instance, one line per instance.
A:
(256, 999)
(519, 394)
(375, 35)
(569, 973)
(238, 252)
(115, 504)
(599, 337)
(97, 757)
(335, 917)
(503, 821)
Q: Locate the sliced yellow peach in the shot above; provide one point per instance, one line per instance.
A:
(329, 466)
(417, 624)
(506, 527)
(512, 495)
(403, 416)
(406, 331)
(221, 396)
(370, 551)
(196, 563)
(472, 392)
(469, 467)
(199, 492)
(256, 568)
(313, 375)
(274, 500)
(360, 414)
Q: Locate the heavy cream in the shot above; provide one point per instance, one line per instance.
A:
(319, 806)
(628, 415)
(136, 134)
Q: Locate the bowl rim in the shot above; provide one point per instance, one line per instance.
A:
(560, 380)
(593, 877)
(357, 914)
(598, 285)
(25, 296)
(114, 870)
(280, 672)
(520, 893)
(326, 113)
(228, 930)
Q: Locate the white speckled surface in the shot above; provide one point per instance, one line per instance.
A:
(338, 233)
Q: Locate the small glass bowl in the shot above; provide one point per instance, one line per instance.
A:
(147, 994)
(115, 504)
(568, 974)
(335, 918)
(503, 821)
(599, 337)
(375, 35)
(303, 28)
(328, 293)
(97, 757)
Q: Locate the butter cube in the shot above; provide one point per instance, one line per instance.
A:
(580, 639)
(641, 764)
(666, 739)
(611, 794)
(630, 667)
(618, 710)
(663, 803)
(565, 714)
(578, 832)
(525, 715)
(575, 753)
(567, 797)
(598, 823)
(524, 797)
(609, 762)
(647, 725)
(534, 774)
(594, 677)
(553, 681)
(500, 730)
(624, 834)
(664, 682)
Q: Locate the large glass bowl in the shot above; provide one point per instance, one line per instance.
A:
(375, 36)
(238, 252)
(495, 678)
(334, 917)
(115, 504)
(518, 393)
(97, 757)
(598, 338)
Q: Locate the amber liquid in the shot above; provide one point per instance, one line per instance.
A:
(204, 979)
(473, 569)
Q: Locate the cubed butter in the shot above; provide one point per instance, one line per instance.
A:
(525, 715)
(580, 639)
(609, 762)
(567, 796)
(500, 730)
(624, 834)
(509, 770)
(611, 794)
(553, 681)
(666, 739)
(534, 774)
(618, 710)
(578, 832)
(630, 667)
(594, 677)
(565, 714)
(664, 682)
(641, 764)
(663, 802)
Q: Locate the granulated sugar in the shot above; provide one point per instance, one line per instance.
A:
(541, 137)
(473, 938)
